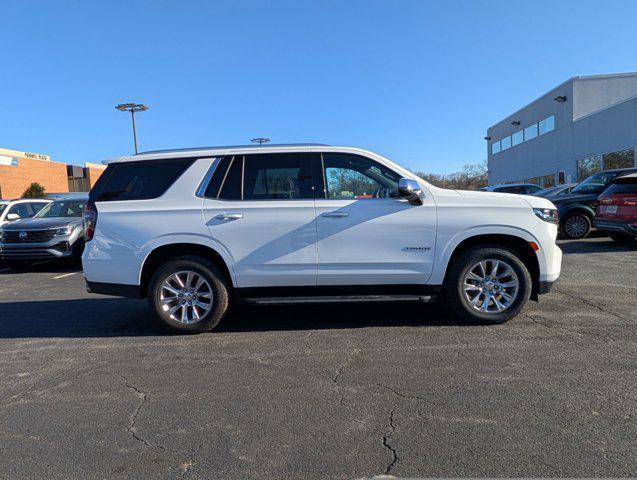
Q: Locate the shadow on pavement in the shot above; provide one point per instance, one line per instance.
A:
(60, 266)
(599, 246)
(117, 317)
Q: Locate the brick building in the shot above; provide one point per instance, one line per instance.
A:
(19, 169)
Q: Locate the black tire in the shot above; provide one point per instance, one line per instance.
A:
(210, 273)
(454, 284)
(622, 237)
(580, 225)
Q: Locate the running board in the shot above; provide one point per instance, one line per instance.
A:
(338, 299)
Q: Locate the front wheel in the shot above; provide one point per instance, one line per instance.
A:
(488, 284)
(576, 226)
(188, 294)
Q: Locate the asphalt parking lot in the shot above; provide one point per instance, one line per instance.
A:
(91, 389)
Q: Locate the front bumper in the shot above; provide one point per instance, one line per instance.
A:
(618, 226)
(58, 248)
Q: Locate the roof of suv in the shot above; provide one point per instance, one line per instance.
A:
(234, 149)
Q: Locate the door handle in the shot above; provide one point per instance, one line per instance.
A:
(335, 214)
(228, 216)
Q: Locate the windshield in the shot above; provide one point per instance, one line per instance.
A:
(63, 208)
(546, 192)
(595, 183)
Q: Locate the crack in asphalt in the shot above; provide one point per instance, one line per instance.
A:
(570, 330)
(592, 304)
(386, 444)
(132, 429)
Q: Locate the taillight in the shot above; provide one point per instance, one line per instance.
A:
(89, 220)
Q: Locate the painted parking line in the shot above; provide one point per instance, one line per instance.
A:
(65, 275)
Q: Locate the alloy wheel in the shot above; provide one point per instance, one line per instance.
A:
(186, 297)
(490, 286)
(576, 226)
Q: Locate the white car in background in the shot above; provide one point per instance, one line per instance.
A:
(11, 210)
(193, 230)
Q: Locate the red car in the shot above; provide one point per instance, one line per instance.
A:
(617, 209)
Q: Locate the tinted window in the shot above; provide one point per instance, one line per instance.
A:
(2, 207)
(495, 147)
(212, 190)
(231, 187)
(138, 180)
(505, 143)
(622, 188)
(516, 189)
(277, 176)
(21, 210)
(352, 176)
(595, 183)
(62, 208)
(37, 206)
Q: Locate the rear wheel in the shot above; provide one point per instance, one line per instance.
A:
(622, 237)
(488, 284)
(576, 226)
(188, 294)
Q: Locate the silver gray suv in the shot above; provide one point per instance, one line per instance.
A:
(55, 232)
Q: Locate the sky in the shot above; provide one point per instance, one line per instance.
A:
(416, 81)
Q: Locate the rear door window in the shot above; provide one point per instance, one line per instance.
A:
(138, 180)
(278, 176)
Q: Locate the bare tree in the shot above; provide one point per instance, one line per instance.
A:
(471, 177)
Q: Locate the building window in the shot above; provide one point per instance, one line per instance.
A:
(517, 138)
(530, 132)
(546, 125)
(495, 147)
(588, 166)
(547, 181)
(505, 143)
(621, 159)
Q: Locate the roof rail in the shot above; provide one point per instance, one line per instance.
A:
(227, 147)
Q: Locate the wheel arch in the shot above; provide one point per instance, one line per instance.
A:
(163, 253)
(516, 243)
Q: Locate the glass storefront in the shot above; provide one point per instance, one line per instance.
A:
(608, 161)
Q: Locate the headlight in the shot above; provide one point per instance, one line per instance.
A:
(59, 232)
(547, 214)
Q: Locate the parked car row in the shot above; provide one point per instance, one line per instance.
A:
(578, 205)
(53, 232)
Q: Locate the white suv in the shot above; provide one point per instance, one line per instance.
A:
(193, 230)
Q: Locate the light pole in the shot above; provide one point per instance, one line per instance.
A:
(132, 108)
(260, 140)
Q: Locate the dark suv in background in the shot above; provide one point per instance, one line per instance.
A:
(577, 209)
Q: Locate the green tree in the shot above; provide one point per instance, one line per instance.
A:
(35, 190)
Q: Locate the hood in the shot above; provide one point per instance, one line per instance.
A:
(497, 198)
(574, 198)
(41, 223)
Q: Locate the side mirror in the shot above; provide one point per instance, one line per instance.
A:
(410, 190)
(12, 216)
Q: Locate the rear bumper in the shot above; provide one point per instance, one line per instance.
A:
(114, 289)
(619, 226)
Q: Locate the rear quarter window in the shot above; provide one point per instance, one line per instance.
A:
(138, 180)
